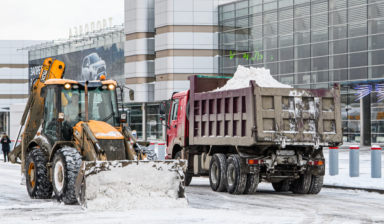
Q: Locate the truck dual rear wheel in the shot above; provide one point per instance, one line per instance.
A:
(302, 185)
(218, 172)
(282, 186)
(236, 181)
(66, 166)
(38, 185)
(252, 183)
(188, 177)
(316, 184)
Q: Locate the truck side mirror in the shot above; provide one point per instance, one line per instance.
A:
(123, 117)
(162, 108)
(131, 95)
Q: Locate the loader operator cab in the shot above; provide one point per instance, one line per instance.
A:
(69, 100)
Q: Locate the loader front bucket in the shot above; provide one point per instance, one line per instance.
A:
(114, 182)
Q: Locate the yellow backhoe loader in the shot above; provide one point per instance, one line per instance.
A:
(82, 134)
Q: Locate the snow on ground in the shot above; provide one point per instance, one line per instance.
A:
(343, 179)
(205, 206)
(243, 75)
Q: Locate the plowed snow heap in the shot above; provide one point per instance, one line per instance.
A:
(243, 75)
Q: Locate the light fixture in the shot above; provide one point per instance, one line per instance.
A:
(67, 86)
(380, 92)
(362, 91)
(75, 86)
(111, 87)
(104, 87)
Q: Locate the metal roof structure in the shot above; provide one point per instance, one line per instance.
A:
(77, 38)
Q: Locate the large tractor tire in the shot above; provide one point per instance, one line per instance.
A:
(301, 185)
(282, 186)
(38, 185)
(252, 183)
(218, 173)
(188, 177)
(236, 181)
(316, 184)
(66, 166)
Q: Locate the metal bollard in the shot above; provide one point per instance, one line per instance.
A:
(161, 151)
(333, 161)
(152, 146)
(376, 161)
(354, 161)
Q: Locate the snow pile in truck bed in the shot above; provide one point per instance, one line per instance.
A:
(143, 186)
(243, 75)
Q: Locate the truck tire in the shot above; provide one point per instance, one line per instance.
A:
(252, 183)
(218, 172)
(188, 177)
(66, 166)
(236, 181)
(38, 185)
(282, 186)
(316, 184)
(302, 185)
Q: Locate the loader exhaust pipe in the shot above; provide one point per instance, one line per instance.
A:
(86, 101)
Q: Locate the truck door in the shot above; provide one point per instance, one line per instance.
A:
(50, 116)
(172, 122)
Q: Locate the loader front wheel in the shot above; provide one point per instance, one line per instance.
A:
(66, 166)
(36, 175)
(188, 177)
(236, 181)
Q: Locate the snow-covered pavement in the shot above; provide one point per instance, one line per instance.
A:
(205, 206)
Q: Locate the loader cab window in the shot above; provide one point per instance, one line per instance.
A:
(175, 107)
(50, 116)
(86, 63)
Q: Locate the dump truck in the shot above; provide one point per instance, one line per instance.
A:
(240, 137)
(83, 134)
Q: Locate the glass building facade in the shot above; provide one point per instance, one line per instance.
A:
(310, 44)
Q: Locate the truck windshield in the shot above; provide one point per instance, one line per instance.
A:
(102, 105)
(94, 58)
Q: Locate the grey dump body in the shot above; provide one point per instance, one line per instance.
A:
(257, 116)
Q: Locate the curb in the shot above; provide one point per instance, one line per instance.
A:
(355, 188)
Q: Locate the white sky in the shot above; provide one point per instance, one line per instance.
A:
(52, 19)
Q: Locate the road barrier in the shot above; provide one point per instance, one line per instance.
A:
(354, 161)
(376, 161)
(161, 151)
(333, 161)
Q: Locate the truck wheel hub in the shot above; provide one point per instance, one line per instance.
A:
(214, 173)
(231, 175)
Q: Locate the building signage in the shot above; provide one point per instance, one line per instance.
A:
(90, 27)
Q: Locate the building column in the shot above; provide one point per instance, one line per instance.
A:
(144, 129)
(365, 121)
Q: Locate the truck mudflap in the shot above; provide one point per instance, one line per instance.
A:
(88, 170)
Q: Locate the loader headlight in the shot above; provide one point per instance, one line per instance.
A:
(67, 86)
(111, 87)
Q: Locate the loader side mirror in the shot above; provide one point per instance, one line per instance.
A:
(162, 107)
(123, 117)
(43, 92)
(61, 116)
(131, 95)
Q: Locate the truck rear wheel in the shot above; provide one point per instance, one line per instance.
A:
(236, 181)
(302, 185)
(66, 166)
(188, 177)
(252, 183)
(218, 172)
(38, 185)
(282, 186)
(316, 184)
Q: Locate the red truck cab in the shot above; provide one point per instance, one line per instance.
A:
(178, 126)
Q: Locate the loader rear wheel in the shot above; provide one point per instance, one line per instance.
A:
(282, 186)
(302, 185)
(188, 177)
(252, 183)
(316, 184)
(38, 186)
(218, 172)
(236, 181)
(66, 166)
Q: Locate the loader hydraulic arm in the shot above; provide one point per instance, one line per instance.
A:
(33, 112)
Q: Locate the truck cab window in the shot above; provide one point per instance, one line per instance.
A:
(175, 106)
(50, 116)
